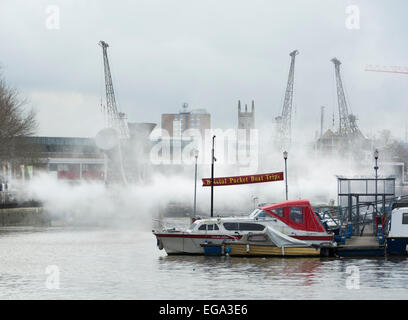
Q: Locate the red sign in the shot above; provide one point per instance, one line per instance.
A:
(256, 178)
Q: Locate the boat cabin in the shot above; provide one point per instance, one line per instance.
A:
(399, 223)
(225, 225)
(297, 214)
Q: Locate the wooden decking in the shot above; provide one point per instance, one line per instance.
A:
(364, 241)
(361, 246)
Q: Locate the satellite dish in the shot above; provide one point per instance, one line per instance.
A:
(107, 139)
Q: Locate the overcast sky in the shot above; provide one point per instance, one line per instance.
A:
(207, 53)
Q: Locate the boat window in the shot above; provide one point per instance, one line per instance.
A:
(278, 212)
(212, 227)
(231, 226)
(296, 215)
(405, 218)
(251, 227)
(203, 227)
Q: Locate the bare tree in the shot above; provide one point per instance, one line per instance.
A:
(15, 122)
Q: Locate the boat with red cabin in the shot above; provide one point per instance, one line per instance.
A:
(286, 224)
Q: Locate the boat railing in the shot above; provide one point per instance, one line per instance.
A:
(168, 225)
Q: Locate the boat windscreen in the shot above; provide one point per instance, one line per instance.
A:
(193, 226)
(255, 213)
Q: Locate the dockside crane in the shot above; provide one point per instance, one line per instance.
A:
(347, 121)
(115, 119)
(285, 119)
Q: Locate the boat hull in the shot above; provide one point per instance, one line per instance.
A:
(184, 243)
(268, 250)
(397, 245)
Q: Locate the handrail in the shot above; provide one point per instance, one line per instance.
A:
(329, 215)
(342, 212)
(362, 229)
(389, 200)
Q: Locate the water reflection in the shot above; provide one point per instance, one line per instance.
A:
(300, 270)
(125, 264)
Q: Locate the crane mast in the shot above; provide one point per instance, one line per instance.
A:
(345, 127)
(285, 129)
(115, 119)
(347, 121)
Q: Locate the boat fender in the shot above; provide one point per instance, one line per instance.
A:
(247, 248)
(160, 244)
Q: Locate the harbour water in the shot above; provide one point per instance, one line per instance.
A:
(118, 263)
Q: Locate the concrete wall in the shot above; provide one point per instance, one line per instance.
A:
(24, 217)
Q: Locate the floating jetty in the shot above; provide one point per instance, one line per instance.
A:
(361, 246)
(354, 247)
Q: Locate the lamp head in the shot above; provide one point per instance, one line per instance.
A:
(285, 155)
(376, 154)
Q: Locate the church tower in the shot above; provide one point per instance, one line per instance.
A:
(246, 122)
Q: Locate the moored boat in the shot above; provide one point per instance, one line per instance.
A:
(294, 221)
(397, 237)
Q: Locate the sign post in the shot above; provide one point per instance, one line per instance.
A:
(212, 177)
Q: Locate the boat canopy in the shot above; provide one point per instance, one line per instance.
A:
(282, 240)
(298, 214)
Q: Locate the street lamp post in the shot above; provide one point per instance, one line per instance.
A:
(376, 179)
(212, 176)
(254, 198)
(285, 156)
(195, 183)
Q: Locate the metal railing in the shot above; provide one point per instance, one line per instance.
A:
(384, 207)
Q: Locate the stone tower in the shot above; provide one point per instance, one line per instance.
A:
(246, 122)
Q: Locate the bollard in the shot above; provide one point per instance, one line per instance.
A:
(349, 230)
(380, 235)
(343, 235)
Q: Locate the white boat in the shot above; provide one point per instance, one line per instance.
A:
(397, 237)
(293, 219)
